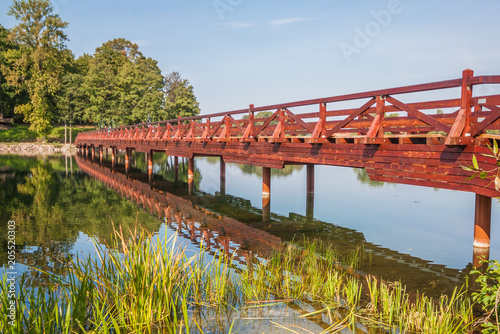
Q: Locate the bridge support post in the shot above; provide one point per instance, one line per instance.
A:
(100, 154)
(149, 157)
(310, 193)
(266, 194)
(107, 154)
(92, 148)
(222, 177)
(176, 169)
(127, 161)
(191, 176)
(482, 224)
(113, 157)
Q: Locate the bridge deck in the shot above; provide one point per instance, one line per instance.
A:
(420, 142)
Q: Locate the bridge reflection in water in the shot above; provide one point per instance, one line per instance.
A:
(233, 225)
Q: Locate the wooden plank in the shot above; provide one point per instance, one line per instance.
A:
(351, 117)
(494, 115)
(417, 114)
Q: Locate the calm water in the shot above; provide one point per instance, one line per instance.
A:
(421, 236)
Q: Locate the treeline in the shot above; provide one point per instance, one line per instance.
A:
(43, 84)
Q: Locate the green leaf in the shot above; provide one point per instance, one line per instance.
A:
(483, 175)
(471, 177)
(495, 147)
(474, 162)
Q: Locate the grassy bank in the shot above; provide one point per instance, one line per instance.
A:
(142, 286)
(22, 134)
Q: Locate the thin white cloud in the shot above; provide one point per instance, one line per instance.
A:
(290, 20)
(237, 24)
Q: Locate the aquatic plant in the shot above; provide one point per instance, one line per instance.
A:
(142, 284)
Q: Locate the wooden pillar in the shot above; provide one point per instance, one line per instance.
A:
(479, 254)
(176, 169)
(100, 154)
(310, 192)
(113, 157)
(92, 153)
(149, 157)
(127, 160)
(266, 194)
(482, 222)
(222, 176)
(107, 155)
(191, 176)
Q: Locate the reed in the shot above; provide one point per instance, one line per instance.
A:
(139, 284)
(301, 273)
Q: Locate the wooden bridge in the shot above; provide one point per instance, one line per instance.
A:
(398, 135)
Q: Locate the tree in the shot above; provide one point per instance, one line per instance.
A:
(71, 98)
(180, 100)
(37, 64)
(8, 96)
(123, 86)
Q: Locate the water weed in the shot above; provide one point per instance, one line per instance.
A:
(141, 284)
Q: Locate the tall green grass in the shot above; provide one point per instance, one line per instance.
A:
(141, 284)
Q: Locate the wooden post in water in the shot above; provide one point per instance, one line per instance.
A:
(310, 193)
(92, 148)
(100, 154)
(113, 157)
(266, 194)
(191, 176)
(149, 157)
(482, 224)
(222, 176)
(127, 161)
(176, 169)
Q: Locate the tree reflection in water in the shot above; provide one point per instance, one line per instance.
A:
(52, 209)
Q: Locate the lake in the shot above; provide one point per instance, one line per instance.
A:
(419, 236)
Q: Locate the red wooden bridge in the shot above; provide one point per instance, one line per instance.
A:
(398, 135)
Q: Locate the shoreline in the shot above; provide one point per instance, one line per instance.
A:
(36, 148)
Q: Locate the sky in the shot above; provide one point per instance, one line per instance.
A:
(241, 52)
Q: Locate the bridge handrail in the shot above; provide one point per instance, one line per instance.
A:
(468, 80)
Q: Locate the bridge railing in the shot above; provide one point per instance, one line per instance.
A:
(379, 118)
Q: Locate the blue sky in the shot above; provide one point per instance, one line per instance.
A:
(237, 52)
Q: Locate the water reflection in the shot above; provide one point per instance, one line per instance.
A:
(239, 225)
(362, 177)
(52, 209)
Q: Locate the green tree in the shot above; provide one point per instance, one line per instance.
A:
(179, 97)
(8, 96)
(71, 98)
(123, 86)
(37, 64)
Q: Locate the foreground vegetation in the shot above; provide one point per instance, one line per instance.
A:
(143, 285)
